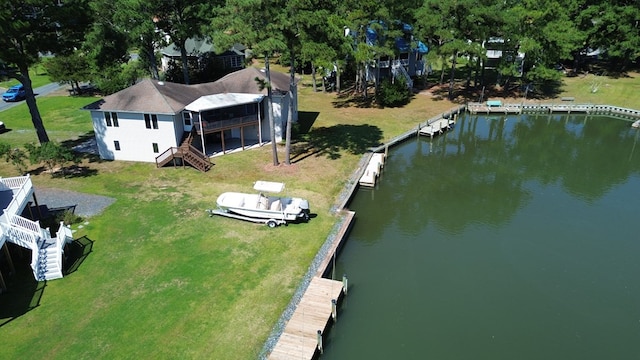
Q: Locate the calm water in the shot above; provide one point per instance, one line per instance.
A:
(507, 238)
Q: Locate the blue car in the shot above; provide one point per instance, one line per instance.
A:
(15, 93)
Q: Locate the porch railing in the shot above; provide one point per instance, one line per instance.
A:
(219, 125)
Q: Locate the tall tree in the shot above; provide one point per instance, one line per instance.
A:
(614, 27)
(139, 18)
(457, 28)
(181, 20)
(69, 69)
(30, 28)
(253, 23)
(547, 33)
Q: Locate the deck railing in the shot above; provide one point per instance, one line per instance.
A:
(166, 155)
(21, 188)
(26, 224)
(16, 182)
(219, 125)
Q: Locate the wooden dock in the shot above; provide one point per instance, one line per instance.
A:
(373, 169)
(566, 107)
(437, 127)
(486, 108)
(299, 340)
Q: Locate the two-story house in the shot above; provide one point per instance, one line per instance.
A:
(153, 118)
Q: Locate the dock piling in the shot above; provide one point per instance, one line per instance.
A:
(345, 284)
(320, 341)
(334, 310)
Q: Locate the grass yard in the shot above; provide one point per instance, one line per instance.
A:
(38, 76)
(163, 279)
(60, 114)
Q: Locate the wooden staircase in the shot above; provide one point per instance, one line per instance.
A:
(188, 153)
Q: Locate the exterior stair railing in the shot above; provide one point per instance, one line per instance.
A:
(46, 252)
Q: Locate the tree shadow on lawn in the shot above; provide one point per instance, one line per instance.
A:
(71, 171)
(462, 94)
(330, 141)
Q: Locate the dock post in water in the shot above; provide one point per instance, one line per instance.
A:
(320, 341)
(334, 310)
(345, 284)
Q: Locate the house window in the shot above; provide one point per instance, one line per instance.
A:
(151, 121)
(155, 147)
(236, 61)
(187, 118)
(111, 119)
(116, 144)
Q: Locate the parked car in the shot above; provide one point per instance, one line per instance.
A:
(15, 93)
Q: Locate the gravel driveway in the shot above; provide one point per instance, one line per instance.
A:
(87, 205)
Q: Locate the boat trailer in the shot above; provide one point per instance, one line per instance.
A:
(270, 222)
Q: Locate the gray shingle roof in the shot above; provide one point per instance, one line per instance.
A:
(152, 96)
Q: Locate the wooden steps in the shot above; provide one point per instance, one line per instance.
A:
(187, 153)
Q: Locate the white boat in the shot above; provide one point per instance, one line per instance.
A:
(636, 124)
(272, 210)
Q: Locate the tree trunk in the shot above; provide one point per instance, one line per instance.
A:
(185, 62)
(292, 81)
(338, 79)
(363, 78)
(356, 87)
(36, 119)
(274, 146)
(153, 64)
(442, 71)
(453, 74)
(313, 77)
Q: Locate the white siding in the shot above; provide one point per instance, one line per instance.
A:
(134, 138)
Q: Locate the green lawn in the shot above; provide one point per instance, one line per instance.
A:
(164, 280)
(38, 76)
(60, 114)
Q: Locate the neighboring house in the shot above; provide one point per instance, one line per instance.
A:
(201, 49)
(16, 195)
(498, 51)
(409, 62)
(153, 120)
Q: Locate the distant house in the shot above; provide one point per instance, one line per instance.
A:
(201, 49)
(410, 59)
(154, 120)
(500, 51)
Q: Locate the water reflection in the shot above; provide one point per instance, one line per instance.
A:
(507, 237)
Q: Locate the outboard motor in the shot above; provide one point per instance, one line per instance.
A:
(304, 205)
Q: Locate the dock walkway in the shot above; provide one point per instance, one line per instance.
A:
(299, 340)
(551, 108)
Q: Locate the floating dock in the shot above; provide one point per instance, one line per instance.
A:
(437, 127)
(302, 336)
(373, 169)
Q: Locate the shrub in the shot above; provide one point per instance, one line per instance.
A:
(393, 94)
